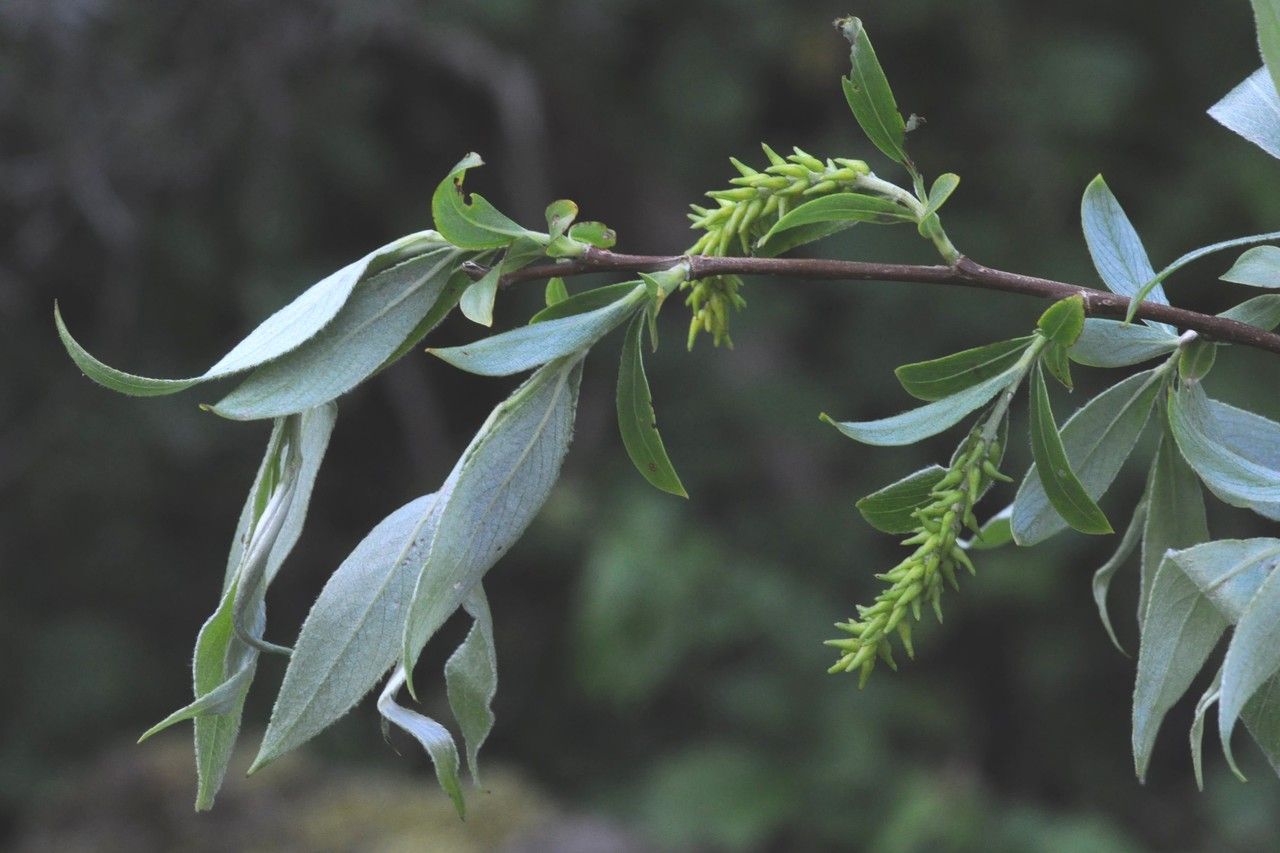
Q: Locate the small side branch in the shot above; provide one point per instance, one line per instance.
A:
(964, 273)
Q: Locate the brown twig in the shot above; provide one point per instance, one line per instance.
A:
(964, 272)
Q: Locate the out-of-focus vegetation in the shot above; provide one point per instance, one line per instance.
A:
(172, 172)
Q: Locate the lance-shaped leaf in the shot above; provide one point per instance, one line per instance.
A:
(352, 635)
(471, 679)
(917, 424)
(1234, 452)
(1252, 109)
(1267, 16)
(584, 302)
(282, 332)
(1097, 439)
(840, 208)
(1110, 343)
(1253, 656)
(435, 739)
(1261, 311)
(476, 303)
(383, 312)
(1106, 572)
(1258, 267)
(636, 419)
(1175, 513)
(494, 492)
(1180, 629)
(1063, 321)
(942, 377)
(1189, 257)
(889, 509)
(869, 96)
(941, 190)
(473, 223)
(1116, 249)
(530, 346)
(1060, 483)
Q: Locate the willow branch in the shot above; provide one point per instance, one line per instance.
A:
(963, 273)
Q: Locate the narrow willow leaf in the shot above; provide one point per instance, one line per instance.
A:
(1103, 576)
(494, 492)
(889, 509)
(588, 300)
(1175, 513)
(1063, 321)
(840, 208)
(801, 235)
(530, 346)
(352, 635)
(1244, 474)
(1189, 257)
(1267, 15)
(942, 377)
(1252, 437)
(1258, 267)
(473, 223)
(941, 190)
(1097, 439)
(471, 679)
(1110, 343)
(1261, 311)
(435, 739)
(1060, 483)
(1251, 110)
(556, 291)
(1253, 656)
(1207, 700)
(477, 300)
(560, 215)
(1196, 360)
(1116, 249)
(869, 96)
(282, 332)
(1055, 360)
(636, 419)
(1179, 631)
(382, 313)
(917, 424)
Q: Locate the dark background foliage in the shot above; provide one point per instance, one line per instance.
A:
(172, 172)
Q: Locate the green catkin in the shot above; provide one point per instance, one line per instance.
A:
(921, 576)
(743, 214)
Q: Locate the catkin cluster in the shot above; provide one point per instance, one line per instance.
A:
(744, 214)
(920, 576)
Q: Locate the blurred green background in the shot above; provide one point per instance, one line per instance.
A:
(173, 172)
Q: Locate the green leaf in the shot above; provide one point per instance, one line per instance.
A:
(1103, 576)
(1063, 321)
(1175, 513)
(636, 419)
(560, 215)
(435, 739)
(1189, 257)
(889, 509)
(1196, 359)
(282, 332)
(941, 190)
(1055, 360)
(471, 679)
(352, 635)
(588, 300)
(595, 234)
(1110, 343)
(1207, 701)
(1179, 631)
(556, 291)
(1251, 110)
(1267, 15)
(492, 495)
(382, 313)
(869, 96)
(1116, 249)
(1064, 490)
(473, 223)
(840, 208)
(536, 344)
(1253, 656)
(942, 377)
(916, 424)
(1097, 439)
(1261, 311)
(1241, 469)
(800, 235)
(477, 300)
(995, 532)
(1258, 267)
